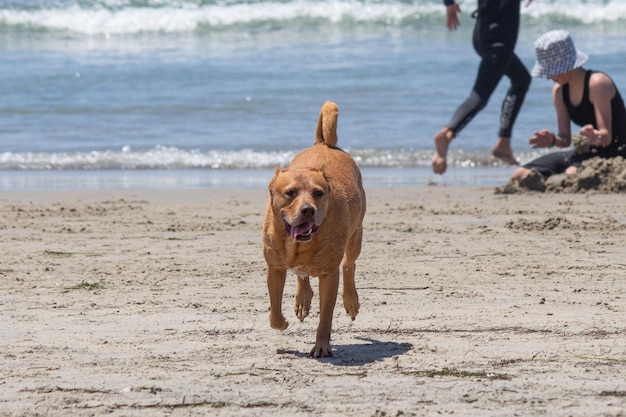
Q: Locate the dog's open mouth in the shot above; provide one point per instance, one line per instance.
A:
(303, 232)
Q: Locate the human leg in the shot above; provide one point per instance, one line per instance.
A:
(547, 165)
(511, 105)
(442, 142)
(577, 159)
(490, 71)
(495, 46)
(504, 151)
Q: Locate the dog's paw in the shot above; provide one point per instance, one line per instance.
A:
(351, 304)
(302, 312)
(278, 323)
(321, 350)
(303, 303)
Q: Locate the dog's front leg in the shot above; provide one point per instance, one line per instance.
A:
(304, 295)
(275, 286)
(329, 285)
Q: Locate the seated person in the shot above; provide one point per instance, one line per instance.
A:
(588, 98)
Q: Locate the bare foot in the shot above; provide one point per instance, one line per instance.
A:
(503, 151)
(442, 141)
(520, 173)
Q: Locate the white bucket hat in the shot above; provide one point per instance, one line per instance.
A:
(556, 54)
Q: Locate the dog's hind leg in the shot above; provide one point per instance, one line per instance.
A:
(275, 287)
(349, 294)
(304, 295)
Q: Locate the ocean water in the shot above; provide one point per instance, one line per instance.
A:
(214, 94)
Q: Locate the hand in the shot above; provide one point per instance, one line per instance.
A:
(528, 3)
(452, 18)
(595, 136)
(542, 139)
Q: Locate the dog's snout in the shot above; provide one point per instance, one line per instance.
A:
(307, 210)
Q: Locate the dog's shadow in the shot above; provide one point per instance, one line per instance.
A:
(359, 353)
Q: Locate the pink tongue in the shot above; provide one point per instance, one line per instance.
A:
(299, 230)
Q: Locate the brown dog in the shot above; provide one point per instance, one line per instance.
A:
(313, 221)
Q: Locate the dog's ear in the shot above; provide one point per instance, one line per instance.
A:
(277, 171)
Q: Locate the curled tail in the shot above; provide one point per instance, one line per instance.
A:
(326, 131)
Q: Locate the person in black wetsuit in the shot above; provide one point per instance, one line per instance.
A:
(495, 35)
(588, 98)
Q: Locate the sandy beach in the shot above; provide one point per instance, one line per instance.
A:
(154, 303)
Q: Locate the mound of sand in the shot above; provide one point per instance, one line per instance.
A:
(597, 174)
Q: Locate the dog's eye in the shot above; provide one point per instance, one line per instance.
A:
(291, 193)
(318, 193)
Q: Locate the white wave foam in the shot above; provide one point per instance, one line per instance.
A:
(102, 21)
(586, 12)
(167, 158)
(182, 16)
(174, 16)
(160, 157)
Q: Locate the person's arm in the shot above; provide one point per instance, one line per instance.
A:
(564, 138)
(546, 138)
(452, 11)
(601, 92)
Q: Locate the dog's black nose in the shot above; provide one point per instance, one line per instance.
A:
(307, 210)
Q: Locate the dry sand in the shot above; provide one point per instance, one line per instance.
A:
(154, 303)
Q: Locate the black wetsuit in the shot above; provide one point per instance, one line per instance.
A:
(495, 35)
(581, 115)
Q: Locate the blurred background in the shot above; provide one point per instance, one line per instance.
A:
(206, 94)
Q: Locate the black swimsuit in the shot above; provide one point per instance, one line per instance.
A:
(581, 115)
(495, 35)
